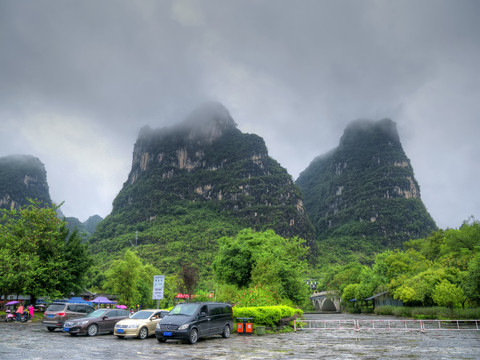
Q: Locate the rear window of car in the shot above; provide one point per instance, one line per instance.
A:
(217, 309)
(84, 308)
(123, 313)
(97, 313)
(56, 307)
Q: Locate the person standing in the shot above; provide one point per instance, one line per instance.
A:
(30, 311)
(19, 312)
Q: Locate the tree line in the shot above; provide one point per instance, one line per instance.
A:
(39, 257)
(442, 269)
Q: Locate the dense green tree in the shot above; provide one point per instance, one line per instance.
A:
(447, 294)
(39, 257)
(338, 277)
(369, 282)
(472, 279)
(264, 258)
(132, 281)
(124, 278)
(349, 292)
(189, 275)
(422, 284)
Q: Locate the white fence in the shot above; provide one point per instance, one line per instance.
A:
(387, 325)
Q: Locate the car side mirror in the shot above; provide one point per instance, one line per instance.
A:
(202, 314)
(104, 317)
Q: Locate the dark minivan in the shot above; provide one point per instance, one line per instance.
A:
(192, 321)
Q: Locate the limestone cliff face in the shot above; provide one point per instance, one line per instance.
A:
(366, 188)
(22, 177)
(207, 163)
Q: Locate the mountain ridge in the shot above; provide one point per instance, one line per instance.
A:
(22, 177)
(365, 188)
(204, 166)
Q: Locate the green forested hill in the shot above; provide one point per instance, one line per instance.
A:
(362, 196)
(192, 184)
(22, 177)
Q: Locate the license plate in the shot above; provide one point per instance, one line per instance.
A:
(120, 331)
(66, 329)
(50, 316)
(167, 333)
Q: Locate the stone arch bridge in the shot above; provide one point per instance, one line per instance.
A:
(325, 301)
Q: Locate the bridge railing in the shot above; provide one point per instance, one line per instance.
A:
(387, 325)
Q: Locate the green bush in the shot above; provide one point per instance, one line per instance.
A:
(467, 313)
(267, 315)
(425, 313)
(402, 311)
(384, 310)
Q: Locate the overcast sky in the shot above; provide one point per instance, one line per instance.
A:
(78, 79)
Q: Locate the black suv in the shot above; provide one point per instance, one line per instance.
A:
(57, 313)
(191, 321)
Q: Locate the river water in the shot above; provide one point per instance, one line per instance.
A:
(33, 341)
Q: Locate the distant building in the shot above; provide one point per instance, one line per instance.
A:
(383, 299)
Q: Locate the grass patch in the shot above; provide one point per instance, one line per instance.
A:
(427, 313)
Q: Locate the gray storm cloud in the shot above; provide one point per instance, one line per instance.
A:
(81, 78)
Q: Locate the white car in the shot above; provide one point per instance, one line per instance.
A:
(141, 324)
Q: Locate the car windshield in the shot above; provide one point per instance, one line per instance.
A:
(97, 313)
(142, 315)
(56, 307)
(184, 309)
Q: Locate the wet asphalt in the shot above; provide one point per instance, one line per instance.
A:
(33, 341)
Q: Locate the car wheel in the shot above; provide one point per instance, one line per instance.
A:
(193, 336)
(51, 329)
(143, 334)
(161, 340)
(92, 330)
(226, 331)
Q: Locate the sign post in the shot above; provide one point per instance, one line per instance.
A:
(158, 283)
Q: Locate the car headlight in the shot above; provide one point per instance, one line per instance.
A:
(184, 327)
(83, 322)
(132, 326)
(158, 326)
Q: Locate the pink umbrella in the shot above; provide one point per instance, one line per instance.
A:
(121, 306)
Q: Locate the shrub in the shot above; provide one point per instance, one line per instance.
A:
(384, 310)
(267, 315)
(402, 311)
(426, 313)
(423, 313)
(467, 313)
(258, 295)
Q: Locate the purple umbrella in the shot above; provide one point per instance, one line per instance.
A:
(121, 306)
(12, 303)
(102, 300)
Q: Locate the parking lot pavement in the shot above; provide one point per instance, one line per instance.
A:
(33, 341)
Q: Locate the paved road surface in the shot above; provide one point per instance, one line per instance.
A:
(33, 341)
